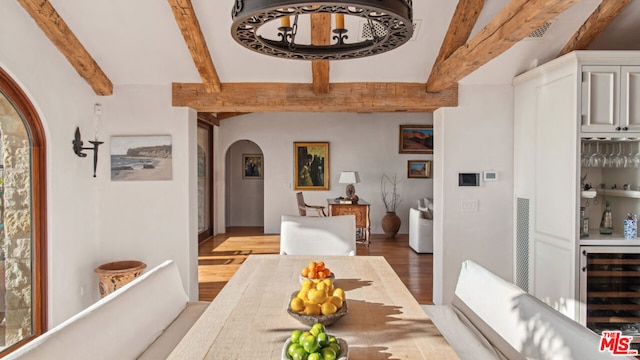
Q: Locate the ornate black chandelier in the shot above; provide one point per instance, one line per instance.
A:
(388, 24)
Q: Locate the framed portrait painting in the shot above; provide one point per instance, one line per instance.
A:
(419, 169)
(416, 139)
(252, 166)
(311, 165)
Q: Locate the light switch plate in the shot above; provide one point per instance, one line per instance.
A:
(469, 205)
(490, 176)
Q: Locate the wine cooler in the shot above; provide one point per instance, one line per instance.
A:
(610, 289)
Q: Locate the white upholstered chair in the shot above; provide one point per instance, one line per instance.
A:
(333, 235)
(421, 227)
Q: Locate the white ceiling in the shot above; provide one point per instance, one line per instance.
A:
(138, 42)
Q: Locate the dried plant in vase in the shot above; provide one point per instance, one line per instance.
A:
(391, 199)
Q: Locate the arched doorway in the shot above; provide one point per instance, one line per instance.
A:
(244, 196)
(23, 218)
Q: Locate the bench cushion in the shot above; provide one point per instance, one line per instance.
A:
(165, 343)
(465, 339)
(519, 325)
(119, 326)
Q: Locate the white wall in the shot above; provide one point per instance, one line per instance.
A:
(92, 220)
(63, 100)
(244, 196)
(367, 143)
(476, 136)
(151, 221)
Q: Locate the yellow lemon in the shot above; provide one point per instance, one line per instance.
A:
(312, 309)
(329, 284)
(322, 287)
(297, 304)
(339, 293)
(317, 296)
(302, 294)
(336, 300)
(328, 308)
(306, 284)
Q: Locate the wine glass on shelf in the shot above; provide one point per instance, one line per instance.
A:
(628, 158)
(636, 157)
(584, 155)
(618, 159)
(609, 152)
(596, 159)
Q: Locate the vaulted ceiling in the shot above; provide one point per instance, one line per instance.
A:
(188, 43)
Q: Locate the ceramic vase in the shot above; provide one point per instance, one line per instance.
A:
(391, 224)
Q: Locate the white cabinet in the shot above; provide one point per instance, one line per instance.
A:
(610, 98)
(549, 104)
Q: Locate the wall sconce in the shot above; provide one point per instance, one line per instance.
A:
(77, 148)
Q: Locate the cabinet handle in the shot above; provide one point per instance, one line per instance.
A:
(618, 128)
(625, 128)
(584, 268)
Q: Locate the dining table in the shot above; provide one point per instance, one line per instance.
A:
(248, 319)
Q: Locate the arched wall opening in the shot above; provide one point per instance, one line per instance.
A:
(244, 184)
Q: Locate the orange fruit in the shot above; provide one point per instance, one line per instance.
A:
(311, 274)
(321, 263)
(305, 272)
(327, 272)
(312, 265)
(321, 275)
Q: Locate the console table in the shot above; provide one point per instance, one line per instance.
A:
(360, 209)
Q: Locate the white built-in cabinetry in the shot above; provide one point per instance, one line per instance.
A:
(610, 98)
(581, 94)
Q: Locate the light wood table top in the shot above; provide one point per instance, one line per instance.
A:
(249, 320)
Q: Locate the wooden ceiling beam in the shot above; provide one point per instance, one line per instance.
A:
(594, 25)
(190, 27)
(209, 118)
(460, 27)
(343, 97)
(320, 35)
(513, 23)
(57, 30)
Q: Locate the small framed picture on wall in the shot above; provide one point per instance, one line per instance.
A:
(252, 166)
(416, 139)
(419, 169)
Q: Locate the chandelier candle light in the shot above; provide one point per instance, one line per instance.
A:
(390, 23)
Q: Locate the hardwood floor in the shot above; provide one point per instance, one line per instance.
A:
(220, 257)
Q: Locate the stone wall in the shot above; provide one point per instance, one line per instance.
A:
(15, 213)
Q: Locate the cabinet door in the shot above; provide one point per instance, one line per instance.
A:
(630, 97)
(600, 94)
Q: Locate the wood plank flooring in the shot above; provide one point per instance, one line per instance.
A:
(220, 257)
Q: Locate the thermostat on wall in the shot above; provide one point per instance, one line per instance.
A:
(468, 179)
(490, 176)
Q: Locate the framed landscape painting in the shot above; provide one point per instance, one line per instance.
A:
(141, 158)
(419, 169)
(311, 166)
(416, 139)
(252, 166)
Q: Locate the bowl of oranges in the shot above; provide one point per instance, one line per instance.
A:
(316, 271)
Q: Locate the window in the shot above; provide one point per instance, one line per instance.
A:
(22, 219)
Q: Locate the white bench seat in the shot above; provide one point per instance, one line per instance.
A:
(144, 319)
(490, 318)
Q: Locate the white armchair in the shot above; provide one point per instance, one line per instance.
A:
(333, 235)
(420, 231)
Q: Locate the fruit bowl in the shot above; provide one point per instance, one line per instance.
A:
(331, 277)
(344, 349)
(325, 320)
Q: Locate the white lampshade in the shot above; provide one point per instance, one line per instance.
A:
(349, 177)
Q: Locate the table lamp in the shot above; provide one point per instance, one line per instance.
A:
(350, 178)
